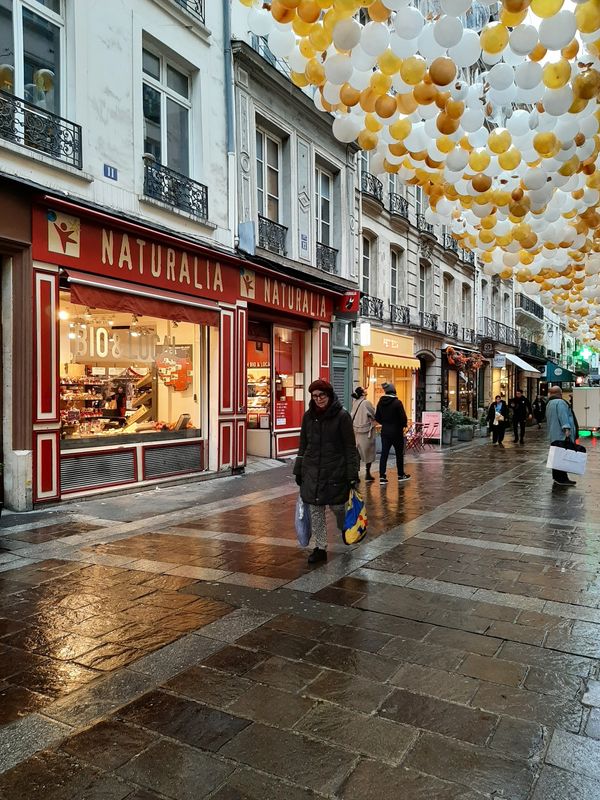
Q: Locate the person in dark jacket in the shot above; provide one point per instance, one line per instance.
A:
(521, 412)
(539, 410)
(327, 464)
(497, 418)
(390, 414)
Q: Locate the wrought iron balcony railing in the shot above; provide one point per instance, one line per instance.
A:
(551, 354)
(261, 45)
(579, 365)
(398, 205)
(428, 320)
(424, 226)
(174, 189)
(327, 258)
(371, 186)
(451, 329)
(491, 329)
(193, 7)
(400, 315)
(467, 256)
(529, 305)
(371, 307)
(271, 235)
(450, 243)
(28, 125)
(529, 348)
(469, 335)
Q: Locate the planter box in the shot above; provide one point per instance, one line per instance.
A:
(465, 434)
(446, 436)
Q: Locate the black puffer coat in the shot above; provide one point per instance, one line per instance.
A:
(327, 459)
(390, 414)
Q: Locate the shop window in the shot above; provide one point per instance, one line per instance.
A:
(268, 176)
(259, 382)
(166, 102)
(31, 51)
(323, 205)
(290, 393)
(127, 378)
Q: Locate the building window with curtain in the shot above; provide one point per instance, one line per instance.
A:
(506, 310)
(394, 276)
(466, 306)
(31, 51)
(268, 176)
(447, 298)
(495, 303)
(166, 102)
(422, 297)
(484, 298)
(366, 265)
(323, 201)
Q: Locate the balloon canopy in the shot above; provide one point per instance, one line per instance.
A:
(496, 119)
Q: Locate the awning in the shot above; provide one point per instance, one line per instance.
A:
(460, 347)
(393, 362)
(530, 372)
(556, 374)
(113, 295)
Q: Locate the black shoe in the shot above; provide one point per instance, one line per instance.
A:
(516, 441)
(317, 555)
(571, 483)
(369, 478)
(382, 479)
(521, 442)
(564, 483)
(403, 477)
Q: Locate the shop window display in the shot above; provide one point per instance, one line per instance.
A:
(259, 384)
(290, 396)
(127, 377)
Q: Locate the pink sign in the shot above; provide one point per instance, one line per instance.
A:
(432, 425)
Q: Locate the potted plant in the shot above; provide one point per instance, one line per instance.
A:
(483, 424)
(465, 432)
(448, 425)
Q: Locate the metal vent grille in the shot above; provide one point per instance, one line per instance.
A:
(172, 459)
(93, 470)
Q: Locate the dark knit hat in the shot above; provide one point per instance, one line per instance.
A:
(388, 388)
(321, 386)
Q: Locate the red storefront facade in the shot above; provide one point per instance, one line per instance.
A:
(141, 354)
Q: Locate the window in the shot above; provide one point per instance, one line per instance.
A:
(166, 100)
(495, 303)
(268, 175)
(30, 51)
(422, 287)
(323, 195)
(466, 306)
(506, 315)
(366, 266)
(394, 270)
(420, 200)
(447, 297)
(364, 161)
(484, 298)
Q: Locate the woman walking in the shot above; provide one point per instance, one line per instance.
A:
(497, 417)
(539, 410)
(327, 463)
(363, 420)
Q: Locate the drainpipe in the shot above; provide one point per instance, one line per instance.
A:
(229, 122)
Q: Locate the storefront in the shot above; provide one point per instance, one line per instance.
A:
(154, 355)
(388, 358)
(460, 372)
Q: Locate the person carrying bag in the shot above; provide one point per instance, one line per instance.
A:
(561, 429)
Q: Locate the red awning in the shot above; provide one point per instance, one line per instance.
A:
(112, 295)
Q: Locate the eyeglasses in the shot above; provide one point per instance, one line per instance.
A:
(318, 396)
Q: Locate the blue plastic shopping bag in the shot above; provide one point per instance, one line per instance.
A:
(302, 522)
(355, 521)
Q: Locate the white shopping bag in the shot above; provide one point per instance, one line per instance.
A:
(566, 460)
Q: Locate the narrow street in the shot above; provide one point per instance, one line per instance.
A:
(175, 644)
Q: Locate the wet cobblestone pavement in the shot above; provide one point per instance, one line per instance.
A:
(175, 644)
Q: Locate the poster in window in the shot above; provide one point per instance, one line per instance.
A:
(174, 364)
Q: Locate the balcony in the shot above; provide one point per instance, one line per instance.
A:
(582, 367)
(451, 329)
(529, 306)
(272, 236)
(25, 124)
(450, 243)
(529, 348)
(260, 44)
(469, 335)
(498, 332)
(371, 307)
(174, 189)
(424, 226)
(400, 315)
(193, 7)
(371, 186)
(428, 321)
(327, 258)
(467, 256)
(398, 206)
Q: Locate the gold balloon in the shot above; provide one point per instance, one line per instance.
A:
(442, 71)
(588, 16)
(378, 12)
(300, 27)
(406, 103)
(510, 19)
(557, 75)
(515, 6)
(282, 12)
(349, 95)
(372, 123)
(367, 140)
(368, 98)
(306, 48)
(308, 11)
(315, 72)
(586, 85)
(481, 182)
(446, 124)
(479, 160)
(538, 52)
(425, 93)
(412, 70)
(544, 143)
(389, 63)
(510, 159)
(570, 51)
(380, 83)
(546, 8)
(494, 38)
(299, 79)
(385, 106)
(401, 128)
(444, 144)
(499, 141)
(455, 108)
(319, 37)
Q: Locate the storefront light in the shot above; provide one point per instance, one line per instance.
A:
(63, 315)
(72, 335)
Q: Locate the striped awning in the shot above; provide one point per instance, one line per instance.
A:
(390, 361)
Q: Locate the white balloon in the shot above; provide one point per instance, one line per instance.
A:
(457, 160)
(331, 93)
(557, 31)
(260, 21)
(361, 60)
(504, 97)
(523, 39)
(478, 138)
(501, 76)
(459, 90)
(558, 101)
(491, 58)
(514, 59)
(403, 48)
(518, 123)
(409, 23)
(346, 34)
(589, 126)
(428, 46)
(346, 128)
(360, 80)
(375, 38)
(297, 61)
(467, 52)
(528, 75)
(448, 31)
(282, 42)
(338, 69)
(455, 7)
(396, 5)
(535, 178)
(472, 120)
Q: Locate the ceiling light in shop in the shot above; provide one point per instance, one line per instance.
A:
(62, 314)
(72, 335)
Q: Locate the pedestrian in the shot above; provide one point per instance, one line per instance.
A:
(521, 412)
(363, 420)
(390, 414)
(497, 417)
(560, 427)
(539, 410)
(327, 464)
